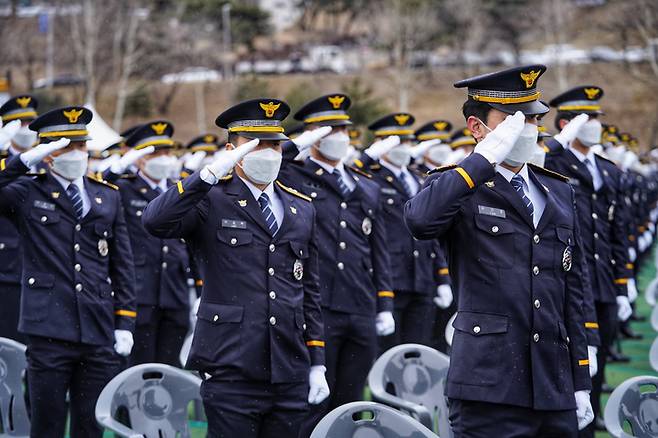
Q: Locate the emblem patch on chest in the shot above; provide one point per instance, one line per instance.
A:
(366, 226)
(298, 270)
(566, 259)
(102, 247)
(490, 211)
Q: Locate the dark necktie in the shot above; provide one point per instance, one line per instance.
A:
(158, 190)
(74, 194)
(270, 220)
(405, 185)
(517, 183)
(344, 190)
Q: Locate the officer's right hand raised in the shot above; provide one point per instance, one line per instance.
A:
(8, 132)
(129, 158)
(36, 154)
(309, 138)
(381, 147)
(226, 160)
(570, 130)
(500, 141)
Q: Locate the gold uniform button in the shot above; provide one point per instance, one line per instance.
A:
(273, 295)
(341, 266)
(272, 248)
(76, 247)
(343, 224)
(476, 329)
(270, 271)
(535, 270)
(234, 241)
(535, 337)
(272, 320)
(31, 281)
(77, 267)
(78, 287)
(535, 238)
(343, 205)
(495, 229)
(537, 304)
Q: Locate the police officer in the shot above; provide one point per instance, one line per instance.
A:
(357, 298)
(432, 149)
(519, 352)
(597, 184)
(414, 262)
(258, 339)
(77, 282)
(162, 266)
(16, 114)
(199, 151)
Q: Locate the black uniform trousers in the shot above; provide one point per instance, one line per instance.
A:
(254, 409)
(159, 335)
(413, 320)
(474, 419)
(351, 349)
(10, 296)
(56, 367)
(606, 314)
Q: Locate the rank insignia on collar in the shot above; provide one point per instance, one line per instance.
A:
(490, 184)
(605, 173)
(319, 172)
(574, 167)
(293, 210)
(98, 200)
(242, 202)
(389, 178)
(55, 195)
(143, 190)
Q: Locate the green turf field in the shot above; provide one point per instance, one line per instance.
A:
(615, 373)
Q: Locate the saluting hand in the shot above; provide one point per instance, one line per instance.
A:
(308, 138)
(500, 141)
(8, 132)
(194, 161)
(41, 151)
(129, 158)
(381, 147)
(225, 161)
(422, 147)
(570, 130)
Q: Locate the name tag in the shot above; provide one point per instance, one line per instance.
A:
(388, 191)
(490, 211)
(232, 223)
(138, 203)
(44, 205)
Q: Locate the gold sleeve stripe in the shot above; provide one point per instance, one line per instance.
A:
(199, 283)
(583, 362)
(621, 281)
(128, 313)
(466, 177)
(629, 266)
(315, 344)
(3, 164)
(358, 163)
(386, 293)
(179, 185)
(592, 325)
(444, 271)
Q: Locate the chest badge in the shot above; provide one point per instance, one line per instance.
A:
(574, 167)
(566, 259)
(389, 178)
(102, 247)
(98, 200)
(293, 210)
(319, 172)
(366, 226)
(611, 212)
(143, 190)
(55, 195)
(242, 202)
(298, 270)
(490, 184)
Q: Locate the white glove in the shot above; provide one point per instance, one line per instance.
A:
(570, 130)
(624, 310)
(385, 324)
(632, 254)
(651, 226)
(318, 386)
(584, 411)
(225, 161)
(36, 154)
(456, 156)
(632, 290)
(382, 147)
(107, 163)
(499, 142)
(422, 147)
(591, 356)
(123, 342)
(118, 167)
(8, 132)
(648, 238)
(443, 298)
(193, 162)
(308, 138)
(641, 243)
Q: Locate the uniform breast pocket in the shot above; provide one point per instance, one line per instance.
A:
(236, 244)
(44, 217)
(479, 345)
(218, 333)
(38, 292)
(496, 241)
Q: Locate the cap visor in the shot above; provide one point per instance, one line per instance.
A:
(264, 135)
(527, 108)
(333, 123)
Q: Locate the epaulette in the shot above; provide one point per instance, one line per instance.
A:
(358, 163)
(225, 178)
(606, 159)
(442, 169)
(293, 191)
(37, 174)
(103, 182)
(547, 172)
(184, 174)
(360, 172)
(375, 167)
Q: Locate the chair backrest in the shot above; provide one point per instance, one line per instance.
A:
(369, 420)
(653, 354)
(634, 402)
(14, 420)
(155, 398)
(654, 318)
(414, 373)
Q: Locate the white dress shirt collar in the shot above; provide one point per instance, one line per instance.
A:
(581, 157)
(79, 182)
(508, 174)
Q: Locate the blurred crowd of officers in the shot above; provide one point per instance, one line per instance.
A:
(296, 258)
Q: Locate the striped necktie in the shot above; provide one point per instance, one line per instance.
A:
(405, 185)
(344, 190)
(74, 194)
(517, 183)
(270, 220)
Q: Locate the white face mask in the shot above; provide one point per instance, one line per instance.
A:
(524, 147)
(158, 168)
(24, 138)
(399, 156)
(439, 154)
(262, 167)
(538, 157)
(71, 165)
(590, 133)
(334, 146)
